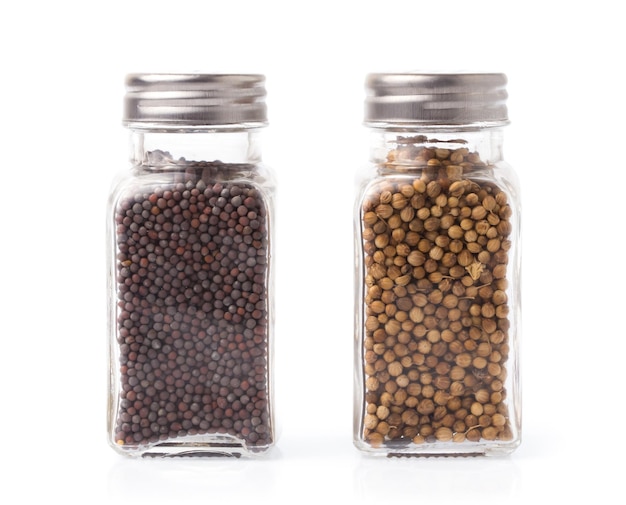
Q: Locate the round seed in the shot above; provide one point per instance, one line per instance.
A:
(436, 307)
(192, 327)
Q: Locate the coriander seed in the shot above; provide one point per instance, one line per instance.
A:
(437, 228)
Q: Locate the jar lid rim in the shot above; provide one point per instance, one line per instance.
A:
(195, 99)
(436, 98)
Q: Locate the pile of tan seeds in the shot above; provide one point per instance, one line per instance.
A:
(436, 314)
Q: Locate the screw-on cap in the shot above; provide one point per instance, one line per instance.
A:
(183, 100)
(435, 99)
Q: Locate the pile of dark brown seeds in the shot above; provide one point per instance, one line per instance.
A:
(193, 312)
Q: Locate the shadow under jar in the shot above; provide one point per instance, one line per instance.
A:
(190, 278)
(437, 234)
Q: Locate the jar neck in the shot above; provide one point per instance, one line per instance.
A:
(156, 149)
(412, 148)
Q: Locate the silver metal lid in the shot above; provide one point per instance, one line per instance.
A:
(435, 99)
(188, 100)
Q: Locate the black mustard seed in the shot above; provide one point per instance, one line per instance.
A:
(192, 311)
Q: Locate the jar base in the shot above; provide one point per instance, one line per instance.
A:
(440, 450)
(198, 446)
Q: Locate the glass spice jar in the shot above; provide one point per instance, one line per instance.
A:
(190, 281)
(437, 237)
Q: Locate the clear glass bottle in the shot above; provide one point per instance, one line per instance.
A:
(190, 278)
(437, 238)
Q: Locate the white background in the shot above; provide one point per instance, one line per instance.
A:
(62, 70)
